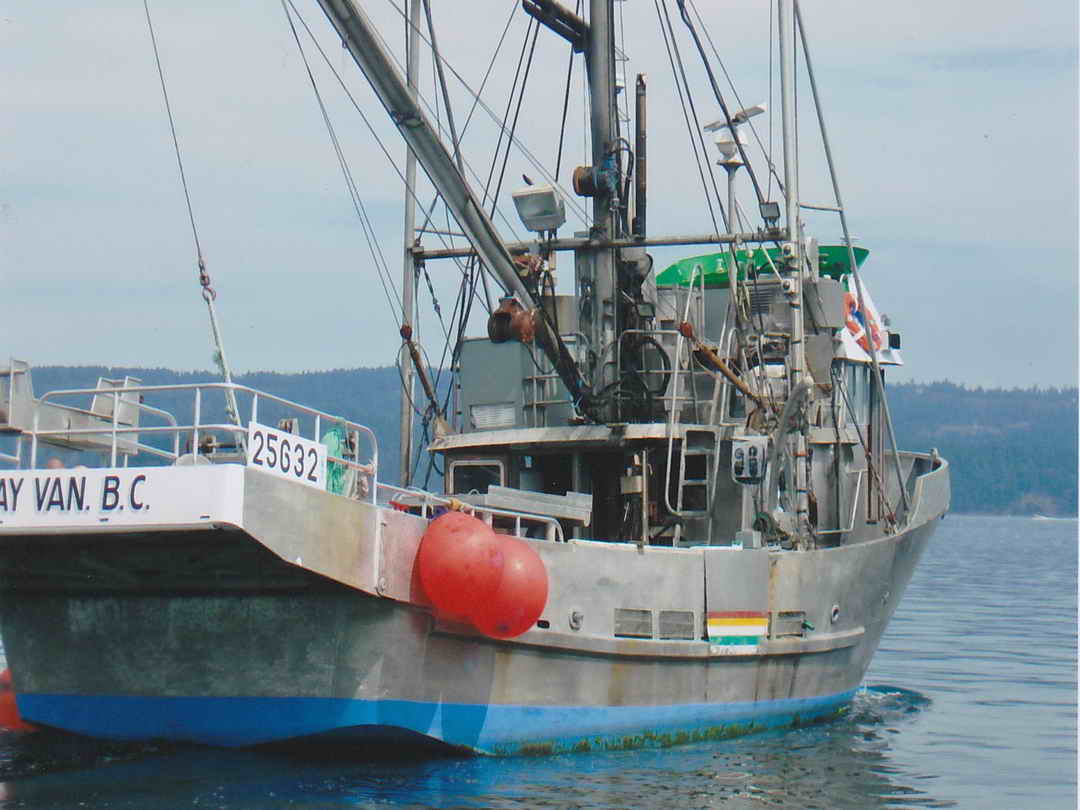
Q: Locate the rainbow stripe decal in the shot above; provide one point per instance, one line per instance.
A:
(737, 631)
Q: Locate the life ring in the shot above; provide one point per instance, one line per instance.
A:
(854, 320)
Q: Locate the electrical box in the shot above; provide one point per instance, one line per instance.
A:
(749, 457)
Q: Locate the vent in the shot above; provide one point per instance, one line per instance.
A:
(492, 417)
(761, 297)
(630, 623)
(789, 623)
(677, 624)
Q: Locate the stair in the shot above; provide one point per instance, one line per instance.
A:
(697, 474)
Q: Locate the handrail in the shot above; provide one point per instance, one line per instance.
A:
(115, 429)
(854, 507)
(554, 528)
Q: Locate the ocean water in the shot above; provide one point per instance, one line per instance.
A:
(970, 703)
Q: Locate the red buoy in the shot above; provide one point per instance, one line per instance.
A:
(460, 563)
(521, 596)
(10, 718)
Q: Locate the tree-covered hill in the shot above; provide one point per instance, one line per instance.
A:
(1012, 451)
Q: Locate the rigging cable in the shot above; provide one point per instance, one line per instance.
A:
(372, 242)
(620, 55)
(534, 28)
(851, 251)
(890, 514)
(468, 287)
(356, 106)
(468, 280)
(772, 137)
(488, 194)
(208, 292)
(566, 98)
(470, 272)
(437, 65)
(750, 121)
(719, 97)
(733, 215)
(358, 205)
(694, 129)
(571, 202)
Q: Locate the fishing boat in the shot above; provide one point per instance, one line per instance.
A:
(673, 508)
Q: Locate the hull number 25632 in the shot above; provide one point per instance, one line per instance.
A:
(286, 455)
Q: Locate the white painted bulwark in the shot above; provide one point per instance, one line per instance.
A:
(82, 499)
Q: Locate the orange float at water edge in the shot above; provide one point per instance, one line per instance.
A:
(460, 563)
(9, 711)
(521, 596)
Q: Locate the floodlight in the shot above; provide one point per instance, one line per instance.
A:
(770, 212)
(540, 208)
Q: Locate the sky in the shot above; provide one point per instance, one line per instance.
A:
(953, 124)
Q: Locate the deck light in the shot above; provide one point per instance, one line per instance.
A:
(541, 208)
(770, 212)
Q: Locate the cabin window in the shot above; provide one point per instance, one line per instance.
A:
(857, 386)
(475, 476)
(544, 473)
(530, 476)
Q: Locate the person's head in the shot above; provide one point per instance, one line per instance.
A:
(54, 464)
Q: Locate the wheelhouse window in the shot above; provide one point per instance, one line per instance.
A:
(857, 387)
(475, 476)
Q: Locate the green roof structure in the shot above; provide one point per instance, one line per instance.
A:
(832, 262)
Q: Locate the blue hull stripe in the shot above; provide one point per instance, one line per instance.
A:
(233, 722)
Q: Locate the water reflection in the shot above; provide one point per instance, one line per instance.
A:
(843, 764)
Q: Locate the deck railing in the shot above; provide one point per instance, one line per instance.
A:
(428, 505)
(204, 438)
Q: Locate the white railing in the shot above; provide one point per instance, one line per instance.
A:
(427, 503)
(191, 442)
(123, 441)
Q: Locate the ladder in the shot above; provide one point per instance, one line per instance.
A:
(698, 463)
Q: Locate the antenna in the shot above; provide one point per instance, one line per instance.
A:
(741, 117)
(728, 137)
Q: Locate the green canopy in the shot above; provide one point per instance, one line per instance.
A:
(832, 262)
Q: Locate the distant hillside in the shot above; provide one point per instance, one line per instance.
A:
(1012, 451)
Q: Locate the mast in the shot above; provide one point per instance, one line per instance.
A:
(600, 62)
(408, 304)
(794, 270)
(640, 174)
(357, 34)
(786, 35)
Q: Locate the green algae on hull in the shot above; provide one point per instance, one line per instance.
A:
(666, 739)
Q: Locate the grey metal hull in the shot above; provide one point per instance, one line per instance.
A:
(239, 635)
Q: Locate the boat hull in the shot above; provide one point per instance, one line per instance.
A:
(228, 636)
(479, 728)
(254, 668)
